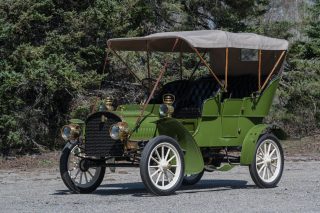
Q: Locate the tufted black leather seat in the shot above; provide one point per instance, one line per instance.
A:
(177, 88)
(190, 95)
(242, 86)
(190, 104)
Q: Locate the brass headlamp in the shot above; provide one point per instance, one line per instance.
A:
(120, 131)
(166, 109)
(71, 132)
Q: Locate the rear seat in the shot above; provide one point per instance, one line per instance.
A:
(190, 95)
(241, 86)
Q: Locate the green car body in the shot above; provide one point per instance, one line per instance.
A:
(231, 123)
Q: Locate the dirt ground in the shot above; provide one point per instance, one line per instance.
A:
(33, 184)
(29, 162)
(304, 149)
(42, 190)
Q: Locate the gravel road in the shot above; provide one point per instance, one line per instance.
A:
(233, 191)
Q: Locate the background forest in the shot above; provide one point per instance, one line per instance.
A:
(52, 56)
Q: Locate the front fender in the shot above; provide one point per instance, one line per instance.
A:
(252, 137)
(193, 157)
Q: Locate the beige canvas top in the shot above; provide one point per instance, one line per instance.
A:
(202, 40)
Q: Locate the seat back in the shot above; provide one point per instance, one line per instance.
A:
(176, 88)
(198, 91)
(190, 95)
(189, 105)
(242, 86)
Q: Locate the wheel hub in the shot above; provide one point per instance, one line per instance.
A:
(164, 165)
(267, 160)
(83, 165)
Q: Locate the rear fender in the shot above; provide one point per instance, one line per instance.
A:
(192, 157)
(252, 137)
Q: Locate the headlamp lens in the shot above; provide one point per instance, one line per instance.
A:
(115, 132)
(70, 132)
(66, 132)
(163, 110)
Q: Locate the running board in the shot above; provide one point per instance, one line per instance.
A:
(224, 168)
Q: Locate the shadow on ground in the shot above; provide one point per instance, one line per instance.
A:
(138, 189)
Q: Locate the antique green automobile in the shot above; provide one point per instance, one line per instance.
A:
(186, 126)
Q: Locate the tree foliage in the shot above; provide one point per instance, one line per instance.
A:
(52, 52)
(299, 95)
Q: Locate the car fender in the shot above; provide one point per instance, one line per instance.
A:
(192, 154)
(252, 137)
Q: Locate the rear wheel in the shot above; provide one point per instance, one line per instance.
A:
(75, 172)
(162, 165)
(267, 166)
(192, 179)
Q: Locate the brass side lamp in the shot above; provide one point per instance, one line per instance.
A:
(166, 109)
(109, 103)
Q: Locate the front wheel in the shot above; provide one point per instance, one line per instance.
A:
(267, 166)
(162, 165)
(75, 172)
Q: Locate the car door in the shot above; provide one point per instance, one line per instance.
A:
(230, 112)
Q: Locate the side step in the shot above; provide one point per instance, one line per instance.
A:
(224, 168)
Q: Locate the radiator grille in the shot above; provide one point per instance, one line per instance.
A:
(98, 142)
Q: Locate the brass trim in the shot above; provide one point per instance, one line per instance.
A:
(207, 65)
(272, 71)
(109, 103)
(259, 69)
(75, 131)
(168, 98)
(226, 69)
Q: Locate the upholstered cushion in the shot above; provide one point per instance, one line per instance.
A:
(190, 95)
(190, 104)
(177, 88)
(242, 86)
(197, 92)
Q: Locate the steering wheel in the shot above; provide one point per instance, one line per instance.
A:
(148, 83)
